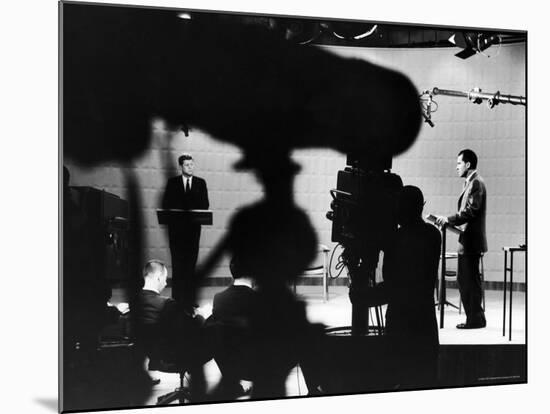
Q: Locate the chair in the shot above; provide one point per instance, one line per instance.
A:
(150, 349)
(233, 353)
(319, 267)
(449, 275)
(181, 393)
(184, 361)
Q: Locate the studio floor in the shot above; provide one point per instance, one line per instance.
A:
(336, 312)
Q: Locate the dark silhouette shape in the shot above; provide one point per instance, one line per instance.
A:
(85, 292)
(243, 85)
(91, 378)
(406, 356)
(274, 242)
(410, 275)
(238, 327)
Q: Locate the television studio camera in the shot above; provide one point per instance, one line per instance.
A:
(364, 220)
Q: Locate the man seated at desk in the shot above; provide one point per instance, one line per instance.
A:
(168, 334)
(238, 326)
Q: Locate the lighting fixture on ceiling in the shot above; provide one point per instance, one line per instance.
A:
(352, 31)
(472, 43)
(300, 31)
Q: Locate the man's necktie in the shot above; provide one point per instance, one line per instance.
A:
(187, 186)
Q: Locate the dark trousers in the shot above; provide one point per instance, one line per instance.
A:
(469, 285)
(184, 251)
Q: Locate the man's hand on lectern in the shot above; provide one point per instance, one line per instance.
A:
(441, 220)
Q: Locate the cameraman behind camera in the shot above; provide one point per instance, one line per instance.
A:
(410, 274)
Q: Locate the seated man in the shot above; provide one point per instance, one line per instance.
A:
(169, 335)
(237, 326)
(231, 333)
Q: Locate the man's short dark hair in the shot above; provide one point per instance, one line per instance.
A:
(153, 266)
(235, 266)
(184, 157)
(469, 156)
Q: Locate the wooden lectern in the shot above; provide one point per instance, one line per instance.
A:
(184, 229)
(442, 288)
(177, 217)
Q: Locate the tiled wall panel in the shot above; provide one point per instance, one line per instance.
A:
(497, 135)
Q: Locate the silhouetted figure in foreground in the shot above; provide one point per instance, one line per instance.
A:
(243, 85)
(237, 316)
(410, 276)
(274, 242)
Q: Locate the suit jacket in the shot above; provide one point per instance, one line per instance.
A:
(236, 304)
(165, 331)
(230, 330)
(472, 208)
(175, 196)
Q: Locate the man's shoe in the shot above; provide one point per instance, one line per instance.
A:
(471, 325)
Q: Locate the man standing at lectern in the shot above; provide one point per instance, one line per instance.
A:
(185, 192)
(472, 242)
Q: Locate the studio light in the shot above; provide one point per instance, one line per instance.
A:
(472, 43)
(300, 31)
(352, 31)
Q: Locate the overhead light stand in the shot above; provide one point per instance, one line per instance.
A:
(476, 96)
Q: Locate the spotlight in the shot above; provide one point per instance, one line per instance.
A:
(352, 31)
(300, 31)
(473, 43)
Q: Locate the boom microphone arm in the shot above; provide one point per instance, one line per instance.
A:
(476, 96)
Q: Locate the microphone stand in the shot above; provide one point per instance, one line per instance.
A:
(476, 96)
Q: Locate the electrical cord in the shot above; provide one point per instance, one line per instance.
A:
(339, 266)
(428, 106)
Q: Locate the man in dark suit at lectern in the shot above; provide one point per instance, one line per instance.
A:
(185, 192)
(472, 242)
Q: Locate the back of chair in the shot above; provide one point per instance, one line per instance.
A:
(233, 346)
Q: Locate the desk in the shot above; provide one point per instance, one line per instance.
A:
(510, 269)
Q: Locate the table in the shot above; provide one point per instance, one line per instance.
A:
(510, 269)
